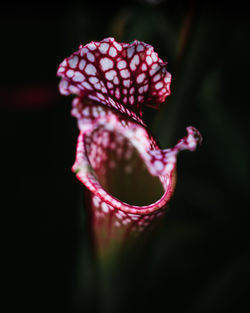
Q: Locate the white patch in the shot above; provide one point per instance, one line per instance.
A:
(100, 96)
(63, 87)
(82, 64)
(90, 69)
(110, 85)
(144, 67)
(126, 221)
(125, 73)
(116, 81)
(96, 201)
(117, 93)
(191, 142)
(130, 51)
(101, 111)
(83, 51)
(170, 159)
(154, 56)
(141, 90)
(140, 78)
(134, 217)
(167, 79)
(148, 60)
(106, 64)
(140, 48)
(73, 62)
(158, 156)
(127, 83)
(104, 47)
(70, 73)
(140, 98)
(90, 57)
(131, 100)
(156, 77)
(145, 88)
(110, 74)
(109, 39)
(112, 101)
(169, 168)
(61, 69)
(112, 52)
(93, 97)
(64, 63)
(86, 85)
(125, 91)
(149, 50)
(98, 86)
(118, 46)
(78, 77)
(159, 85)
(104, 90)
(91, 46)
(93, 80)
(154, 69)
(105, 142)
(135, 61)
(86, 112)
(132, 90)
(102, 84)
(95, 114)
(158, 165)
(121, 65)
(75, 113)
(120, 214)
(73, 89)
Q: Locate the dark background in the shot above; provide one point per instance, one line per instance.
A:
(198, 261)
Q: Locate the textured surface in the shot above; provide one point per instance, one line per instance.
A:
(93, 145)
(112, 81)
(119, 75)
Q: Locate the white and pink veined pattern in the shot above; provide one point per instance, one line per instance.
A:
(130, 178)
(119, 75)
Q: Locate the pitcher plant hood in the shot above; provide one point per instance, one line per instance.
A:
(129, 177)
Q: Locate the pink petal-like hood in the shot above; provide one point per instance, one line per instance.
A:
(119, 75)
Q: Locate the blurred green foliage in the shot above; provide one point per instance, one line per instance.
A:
(198, 261)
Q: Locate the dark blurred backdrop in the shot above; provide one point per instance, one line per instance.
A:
(198, 261)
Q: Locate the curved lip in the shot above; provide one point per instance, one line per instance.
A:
(88, 181)
(85, 173)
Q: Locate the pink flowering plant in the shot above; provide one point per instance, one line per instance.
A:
(129, 177)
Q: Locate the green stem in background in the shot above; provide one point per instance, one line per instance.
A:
(180, 84)
(184, 35)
